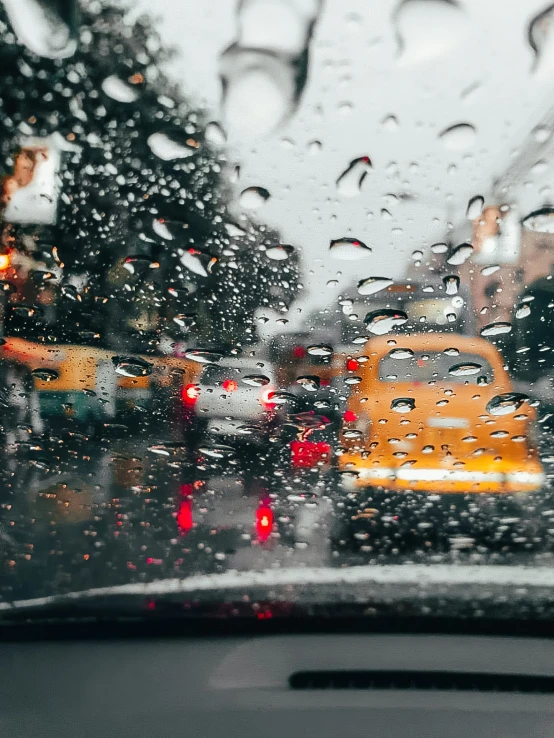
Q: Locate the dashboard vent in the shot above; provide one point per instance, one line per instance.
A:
(422, 680)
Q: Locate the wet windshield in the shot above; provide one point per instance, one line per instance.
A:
(275, 301)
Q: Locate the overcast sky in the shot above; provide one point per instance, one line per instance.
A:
(470, 63)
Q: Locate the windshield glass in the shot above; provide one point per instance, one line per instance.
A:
(276, 302)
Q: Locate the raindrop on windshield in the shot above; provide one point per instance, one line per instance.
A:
(523, 310)
(320, 349)
(132, 366)
(349, 249)
(540, 221)
(451, 352)
(428, 28)
(401, 353)
(350, 181)
(168, 148)
(540, 28)
(439, 248)
(403, 404)
(309, 382)
(256, 380)
(371, 285)
(352, 380)
(490, 269)
(119, 90)
(204, 356)
(506, 403)
(460, 254)
(382, 321)
(197, 261)
(252, 198)
(47, 29)
(465, 369)
(215, 134)
(475, 207)
(496, 329)
(45, 375)
(217, 451)
(458, 137)
(451, 284)
(280, 252)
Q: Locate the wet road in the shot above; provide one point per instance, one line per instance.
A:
(78, 514)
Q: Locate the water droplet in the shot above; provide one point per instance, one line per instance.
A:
(252, 198)
(352, 380)
(203, 356)
(541, 134)
(280, 397)
(185, 320)
(403, 404)
(371, 285)
(119, 90)
(460, 254)
(45, 375)
(499, 434)
(215, 134)
(523, 310)
(132, 366)
(451, 352)
(429, 28)
(417, 255)
(540, 29)
(280, 252)
(451, 284)
(490, 269)
(390, 123)
(439, 248)
(352, 434)
(197, 261)
(401, 353)
(309, 382)
(256, 380)
(382, 321)
(320, 349)
(314, 147)
(217, 451)
(496, 329)
(475, 207)
(428, 449)
(349, 249)
(9, 287)
(506, 403)
(466, 369)
(540, 221)
(168, 148)
(46, 29)
(349, 183)
(458, 137)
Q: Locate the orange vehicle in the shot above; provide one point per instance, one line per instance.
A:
(437, 413)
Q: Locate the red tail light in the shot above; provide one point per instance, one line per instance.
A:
(229, 385)
(352, 365)
(264, 522)
(190, 394)
(184, 516)
(307, 454)
(350, 416)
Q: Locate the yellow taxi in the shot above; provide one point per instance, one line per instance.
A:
(436, 413)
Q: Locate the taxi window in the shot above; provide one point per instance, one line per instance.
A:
(462, 368)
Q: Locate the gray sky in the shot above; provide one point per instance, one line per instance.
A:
(471, 64)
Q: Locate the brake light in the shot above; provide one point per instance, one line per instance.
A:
(352, 365)
(350, 416)
(307, 454)
(190, 394)
(267, 398)
(184, 516)
(4, 262)
(264, 522)
(299, 352)
(229, 385)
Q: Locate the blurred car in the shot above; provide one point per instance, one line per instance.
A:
(437, 413)
(231, 400)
